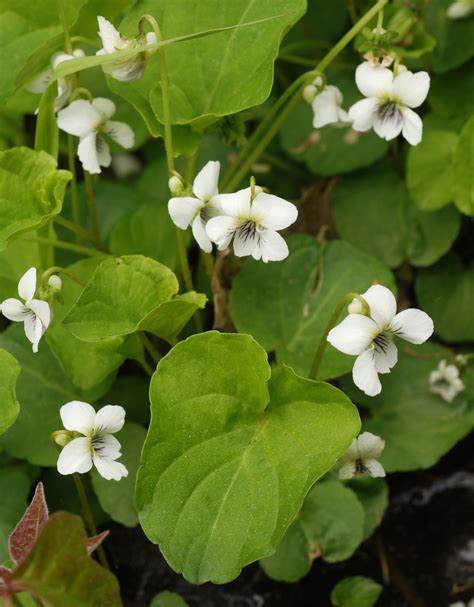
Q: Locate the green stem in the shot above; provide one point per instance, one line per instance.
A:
(67, 246)
(59, 270)
(251, 150)
(332, 323)
(74, 228)
(150, 347)
(89, 517)
(67, 33)
(378, 30)
(90, 196)
(71, 154)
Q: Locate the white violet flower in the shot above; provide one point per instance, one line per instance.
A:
(129, 68)
(369, 337)
(35, 314)
(446, 382)
(390, 99)
(88, 120)
(253, 224)
(459, 10)
(462, 604)
(361, 457)
(195, 211)
(326, 104)
(96, 446)
(41, 82)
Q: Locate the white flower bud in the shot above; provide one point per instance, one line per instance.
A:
(309, 93)
(55, 282)
(175, 185)
(355, 307)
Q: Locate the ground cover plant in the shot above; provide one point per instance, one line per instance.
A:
(236, 296)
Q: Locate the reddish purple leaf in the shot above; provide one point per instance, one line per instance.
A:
(95, 541)
(25, 534)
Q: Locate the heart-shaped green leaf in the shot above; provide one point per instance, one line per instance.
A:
(129, 294)
(9, 406)
(231, 453)
(14, 489)
(31, 191)
(356, 591)
(287, 305)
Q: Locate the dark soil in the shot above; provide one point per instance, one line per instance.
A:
(426, 541)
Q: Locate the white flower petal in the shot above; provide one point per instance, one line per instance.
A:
(382, 304)
(80, 118)
(411, 88)
(75, 457)
(120, 132)
(110, 419)
(200, 234)
(326, 107)
(33, 330)
(15, 310)
(364, 373)
(373, 80)
(412, 325)
(27, 284)
(412, 126)
(389, 126)
(347, 470)
(40, 82)
(236, 204)
(205, 185)
(370, 445)
(386, 355)
(353, 452)
(106, 445)
(354, 334)
(362, 114)
(272, 247)
(374, 468)
(272, 212)
(88, 153)
(42, 310)
(221, 230)
(244, 243)
(109, 469)
(105, 107)
(111, 38)
(184, 210)
(78, 416)
(103, 152)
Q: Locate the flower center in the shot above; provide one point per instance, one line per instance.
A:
(248, 230)
(98, 444)
(382, 343)
(389, 111)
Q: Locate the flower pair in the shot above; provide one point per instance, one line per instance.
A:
(251, 218)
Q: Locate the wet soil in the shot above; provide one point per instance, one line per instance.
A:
(425, 546)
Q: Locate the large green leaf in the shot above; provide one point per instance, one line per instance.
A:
(205, 73)
(330, 150)
(356, 591)
(41, 389)
(118, 498)
(430, 172)
(168, 599)
(446, 292)
(129, 294)
(15, 260)
(374, 212)
(60, 572)
(9, 407)
(231, 453)
(417, 425)
(86, 364)
(463, 170)
(330, 525)
(14, 488)
(451, 95)
(31, 191)
(373, 495)
(287, 305)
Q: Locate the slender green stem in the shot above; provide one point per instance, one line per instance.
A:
(150, 347)
(73, 227)
(59, 270)
(84, 40)
(88, 516)
(67, 33)
(71, 154)
(146, 367)
(68, 246)
(331, 323)
(378, 30)
(90, 196)
(272, 124)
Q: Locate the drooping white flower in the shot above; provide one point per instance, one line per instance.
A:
(370, 338)
(390, 99)
(252, 224)
(460, 9)
(96, 446)
(446, 382)
(35, 314)
(41, 82)
(197, 210)
(462, 604)
(361, 457)
(326, 103)
(129, 68)
(88, 121)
